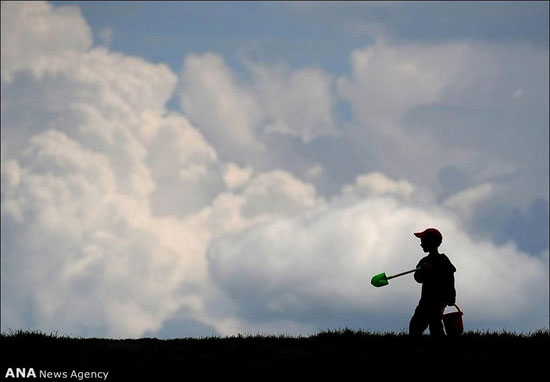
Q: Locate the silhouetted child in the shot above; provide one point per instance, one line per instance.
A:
(436, 274)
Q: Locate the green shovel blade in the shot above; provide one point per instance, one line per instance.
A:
(379, 280)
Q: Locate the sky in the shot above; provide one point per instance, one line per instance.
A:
(188, 169)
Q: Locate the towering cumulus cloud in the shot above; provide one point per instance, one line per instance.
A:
(122, 217)
(81, 248)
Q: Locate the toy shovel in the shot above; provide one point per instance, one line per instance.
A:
(381, 279)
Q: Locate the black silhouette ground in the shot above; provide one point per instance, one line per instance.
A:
(346, 350)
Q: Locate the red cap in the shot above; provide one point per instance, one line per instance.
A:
(430, 233)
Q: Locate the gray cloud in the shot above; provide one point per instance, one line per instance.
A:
(528, 229)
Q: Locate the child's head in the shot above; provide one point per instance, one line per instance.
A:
(430, 239)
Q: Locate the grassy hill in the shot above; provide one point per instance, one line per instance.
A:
(152, 359)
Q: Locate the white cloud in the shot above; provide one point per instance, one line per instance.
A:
(107, 190)
(278, 192)
(233, 114)
(94, 253)
(377, 184)
(235, 177)
(389, 80)
(264, 197)
(179, 150)
(297, 103)
(212, 98)
(36, 31)
(464, 201)
(183, 165)
(87, 254)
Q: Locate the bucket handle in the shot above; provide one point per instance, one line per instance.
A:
(457, 308)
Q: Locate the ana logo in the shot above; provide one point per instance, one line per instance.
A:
(20, 372)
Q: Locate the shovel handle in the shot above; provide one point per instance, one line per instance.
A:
(403, 273)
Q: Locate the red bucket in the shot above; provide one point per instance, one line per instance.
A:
(453, 322)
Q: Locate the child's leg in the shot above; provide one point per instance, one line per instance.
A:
(435, 320)
(419, 321)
